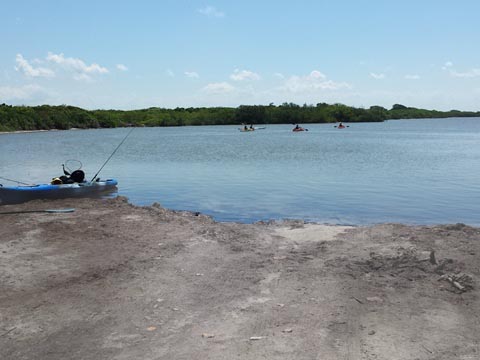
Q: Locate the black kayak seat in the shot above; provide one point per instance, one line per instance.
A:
(78, 176)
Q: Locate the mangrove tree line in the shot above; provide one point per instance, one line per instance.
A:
(62, 117)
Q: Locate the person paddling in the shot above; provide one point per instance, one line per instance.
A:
(298, 128)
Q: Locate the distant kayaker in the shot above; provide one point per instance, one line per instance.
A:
(245, 128)
(251, 127)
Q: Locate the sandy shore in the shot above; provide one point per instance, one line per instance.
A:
(24, 131)
(115, 281)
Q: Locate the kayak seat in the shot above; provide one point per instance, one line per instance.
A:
(78, 176)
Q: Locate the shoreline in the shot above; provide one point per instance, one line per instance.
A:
(113, 280)
(35, 131)
(25, 131)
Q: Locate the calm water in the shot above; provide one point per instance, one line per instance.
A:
(411, 171)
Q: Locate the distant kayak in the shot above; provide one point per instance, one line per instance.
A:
(298, 128)
(341, 127)
(252, 129)
(21, 194)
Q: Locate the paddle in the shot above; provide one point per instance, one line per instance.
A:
(53, 211)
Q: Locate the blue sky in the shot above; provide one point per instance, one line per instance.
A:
(137, 54)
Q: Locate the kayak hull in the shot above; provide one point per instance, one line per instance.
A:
(252, 129)
(21, 194)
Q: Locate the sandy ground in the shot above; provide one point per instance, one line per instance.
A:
(115, 281)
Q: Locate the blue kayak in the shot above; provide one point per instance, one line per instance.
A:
(21, 194)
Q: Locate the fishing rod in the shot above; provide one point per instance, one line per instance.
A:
(114, 151)
(15, 181)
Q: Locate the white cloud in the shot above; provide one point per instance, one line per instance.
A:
(169, 73)
(472, 73)
(11, 93)
(82, 70)
(78, 68)
(279, 75)
(211, 11)
(315, 74)
(469, 74)
(219, 88)
(122, 67)
(447, 65)
(412, 77)
(192, 74)
(377, 76)
(24, 66)
(82, 77)
(241, 75)
(312, 82)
